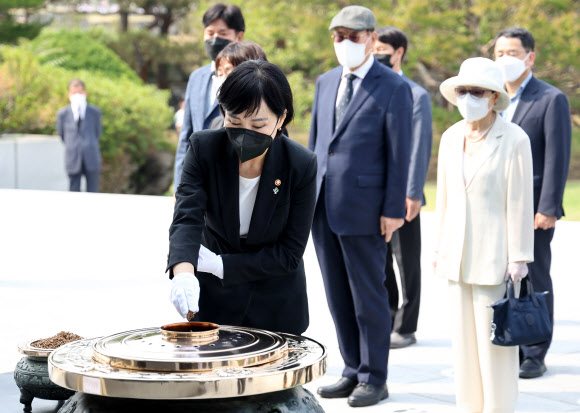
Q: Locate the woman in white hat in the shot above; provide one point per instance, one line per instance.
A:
(485, 230)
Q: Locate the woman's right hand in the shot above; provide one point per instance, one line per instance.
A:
(185, 293)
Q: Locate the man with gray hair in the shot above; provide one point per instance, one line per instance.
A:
(79, 126)
(361, 134)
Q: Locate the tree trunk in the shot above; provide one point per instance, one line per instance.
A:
(124, 20)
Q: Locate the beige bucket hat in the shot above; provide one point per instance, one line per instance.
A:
(477, 72)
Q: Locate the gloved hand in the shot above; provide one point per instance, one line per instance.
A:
(210, 262)
(517, 271)
(185, 293)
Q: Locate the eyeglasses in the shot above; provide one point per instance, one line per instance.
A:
(352, 36)
(476, 93)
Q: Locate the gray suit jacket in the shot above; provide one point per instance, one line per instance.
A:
(81, 144)
(421, 141)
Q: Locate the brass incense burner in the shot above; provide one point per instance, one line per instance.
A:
(188, 361)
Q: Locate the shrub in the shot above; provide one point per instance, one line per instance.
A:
(77, 50)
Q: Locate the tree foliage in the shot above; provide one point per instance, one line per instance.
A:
(10, 30)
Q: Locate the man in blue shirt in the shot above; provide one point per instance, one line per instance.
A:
(222, 24)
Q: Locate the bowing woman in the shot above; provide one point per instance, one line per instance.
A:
(243, 211)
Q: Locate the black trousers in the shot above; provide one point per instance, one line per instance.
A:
(353, 273)
(405, 246)
(539, 273)
(92, 178)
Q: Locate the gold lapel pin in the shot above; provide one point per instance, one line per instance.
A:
(278, 182)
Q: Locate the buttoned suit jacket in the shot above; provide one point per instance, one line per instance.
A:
(81, 145)
(484, 225)
(544, 114)
(264, 278)
(421, 141)
(364, 160)
(196, 116)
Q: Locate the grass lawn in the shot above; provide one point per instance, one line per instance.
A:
(571, 199)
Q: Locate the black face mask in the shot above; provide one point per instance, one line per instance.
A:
(214, 46)
(384, 59)
(247, 143)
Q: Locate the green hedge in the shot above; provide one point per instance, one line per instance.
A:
(77, 50)
(136, 117)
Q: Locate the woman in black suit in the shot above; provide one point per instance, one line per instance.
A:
(244, 210)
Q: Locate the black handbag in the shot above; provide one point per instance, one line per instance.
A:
(521, 321)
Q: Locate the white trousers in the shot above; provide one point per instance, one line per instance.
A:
(486, 375)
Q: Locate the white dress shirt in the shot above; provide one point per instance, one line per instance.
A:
(79, 110)
(360, 74)
(248, 192)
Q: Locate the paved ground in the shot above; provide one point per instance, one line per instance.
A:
(93, 265)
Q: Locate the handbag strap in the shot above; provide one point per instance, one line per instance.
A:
(527, 289)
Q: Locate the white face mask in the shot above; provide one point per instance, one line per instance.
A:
(78, 99)
(350, 54)
(471, 108)
(512, 67)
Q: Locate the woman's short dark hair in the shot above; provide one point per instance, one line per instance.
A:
(393, 36)
(231, 14)
(520, 33)
(252, 81)
(239, 52)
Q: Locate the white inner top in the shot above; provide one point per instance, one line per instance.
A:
(248, 192)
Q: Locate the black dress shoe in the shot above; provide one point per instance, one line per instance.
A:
(402, 340)
(366, 394)
(342, 388)
(532, 368)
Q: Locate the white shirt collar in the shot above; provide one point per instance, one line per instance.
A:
(401, 73)
(362, 71)
(212, 68)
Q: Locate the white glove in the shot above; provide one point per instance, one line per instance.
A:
(517, 271)
(210, 262)
(185, 293)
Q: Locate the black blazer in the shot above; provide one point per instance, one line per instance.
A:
(264, 283)
(544, 114)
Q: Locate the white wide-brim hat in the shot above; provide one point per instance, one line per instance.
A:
(477, 72)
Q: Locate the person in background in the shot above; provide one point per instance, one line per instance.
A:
(231, 56)
(178, 117)
(79, 126)
(542, 111)
(222, 24)
(390, 49)
(361, 134)
(244, 211)
(485, 225)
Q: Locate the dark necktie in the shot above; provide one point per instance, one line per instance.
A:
(344, 100)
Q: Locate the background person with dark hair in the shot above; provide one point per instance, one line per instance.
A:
(227, 60)
(222, 24)
(79, 126)
(244, 211)
(542, 111)
(390, 49)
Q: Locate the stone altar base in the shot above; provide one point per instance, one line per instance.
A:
(296, 400)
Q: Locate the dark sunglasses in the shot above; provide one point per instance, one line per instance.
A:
(476, 93)
(353, 37)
